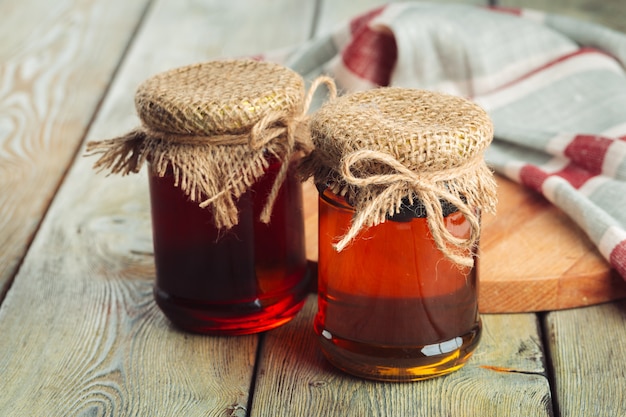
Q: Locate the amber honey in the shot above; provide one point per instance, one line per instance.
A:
(247, 279)
(391, 306)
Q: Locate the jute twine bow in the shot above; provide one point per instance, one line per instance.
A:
(383, 147)
(428, 187)
(272, 127)
(189, 157)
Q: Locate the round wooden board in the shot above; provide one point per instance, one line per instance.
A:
(532, 256)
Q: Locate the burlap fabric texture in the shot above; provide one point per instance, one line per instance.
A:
(381, 146)
(215, 125)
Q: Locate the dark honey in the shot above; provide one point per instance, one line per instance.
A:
(391, 307)
(250, 278)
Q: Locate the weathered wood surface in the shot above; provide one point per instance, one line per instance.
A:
(55, 63)
(588, 356)
(81, 334)
(505, 377)
(535, 258)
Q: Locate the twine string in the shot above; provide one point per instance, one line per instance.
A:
(428, 187)
(298, 126)
(129, 152)
(271, 127)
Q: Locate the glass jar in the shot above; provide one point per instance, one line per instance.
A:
(249, 278)
(221, 139)
(399, 222)
(391, 306)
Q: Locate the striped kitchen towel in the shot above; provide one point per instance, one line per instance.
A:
(555, 88)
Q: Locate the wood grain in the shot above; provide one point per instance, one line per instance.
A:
(55, 63)
(535, 258)
(505, 377)
(587, 350)
(81, 333)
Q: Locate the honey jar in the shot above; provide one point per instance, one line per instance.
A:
(402, 184)
(220, 140)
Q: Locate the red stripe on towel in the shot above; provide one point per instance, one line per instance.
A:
(553, 63)
(617, 258)
(588, 151)
(575, 175)
(533, 177)
(372, 53)
(509, 10)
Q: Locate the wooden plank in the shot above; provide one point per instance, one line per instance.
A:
(505, 377)
(535, 258)
(81, 333)
(55, 61)
(587, 351)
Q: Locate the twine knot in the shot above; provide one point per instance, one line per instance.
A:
(213, 169)
(383, 146)
(275, 126)
(428, 187)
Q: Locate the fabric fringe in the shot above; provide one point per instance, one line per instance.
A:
(215, 170)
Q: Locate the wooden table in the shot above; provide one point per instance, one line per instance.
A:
(79, 332)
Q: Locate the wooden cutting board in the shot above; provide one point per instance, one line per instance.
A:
(533, 257)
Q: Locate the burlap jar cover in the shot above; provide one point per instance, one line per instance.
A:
(380, 147)
(214, 125)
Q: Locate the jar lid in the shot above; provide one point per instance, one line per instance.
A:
(218, 97)
(423, 130)
(215, 125)
(382, 147)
